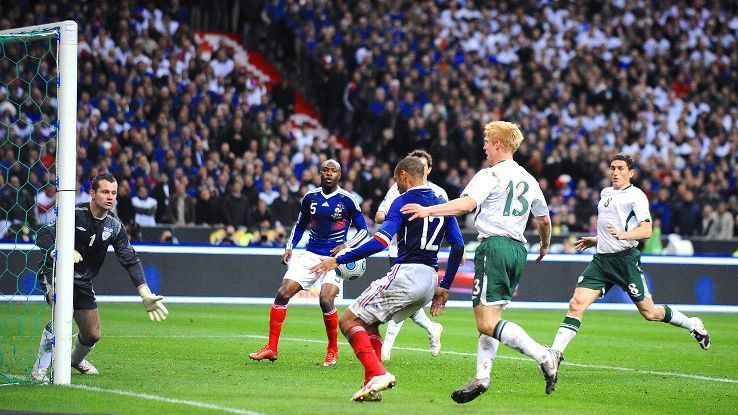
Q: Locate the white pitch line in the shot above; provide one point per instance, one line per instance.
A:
(414, 349)
(195, 404)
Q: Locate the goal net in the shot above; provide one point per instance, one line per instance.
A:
(38, 81)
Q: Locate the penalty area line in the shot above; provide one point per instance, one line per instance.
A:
(157, 398)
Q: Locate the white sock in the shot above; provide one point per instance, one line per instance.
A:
(393, 329)
(80, 351)
(677, 318)
(421, 319)
(567, 330)
(45, 349)
(486, 351)
(512, 335)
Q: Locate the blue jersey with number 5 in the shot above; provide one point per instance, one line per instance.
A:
(418, 241)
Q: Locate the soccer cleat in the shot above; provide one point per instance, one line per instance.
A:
(700, 334)
(550, 367)
(470, 391)
(330, 358)
(86, 368)
(372, 388)
(386, 355)
(434, 338)
(377, 397)
(264, 353)
(40, 376)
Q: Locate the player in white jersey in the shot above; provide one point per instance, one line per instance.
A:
(420, 318)
(623, 219)
(504, 196)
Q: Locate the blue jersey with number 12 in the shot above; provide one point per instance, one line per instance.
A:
(418, 241)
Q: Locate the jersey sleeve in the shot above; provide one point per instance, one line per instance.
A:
(479, 187)
(392, 223)
(128, 257)
(454, 238)
(392, 194)
(640, 208)
(303, 218)
(538, 206)
(357, 218)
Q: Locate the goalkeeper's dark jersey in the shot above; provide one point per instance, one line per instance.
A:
(92, 237)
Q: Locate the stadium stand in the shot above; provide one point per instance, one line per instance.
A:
(195, 138)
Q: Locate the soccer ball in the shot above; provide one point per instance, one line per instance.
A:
(352, 270)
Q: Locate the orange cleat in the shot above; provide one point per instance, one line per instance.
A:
(331, 357)
(264, 353)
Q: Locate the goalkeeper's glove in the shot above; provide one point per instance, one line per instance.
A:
(157, 311)
(76, 256)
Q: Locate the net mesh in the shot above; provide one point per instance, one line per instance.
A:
(28, 137)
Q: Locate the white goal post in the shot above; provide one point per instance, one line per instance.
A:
(66, 159)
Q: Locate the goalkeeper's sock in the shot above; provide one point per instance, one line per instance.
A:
(80, 351)
(421, 319)
(512, 335)
(276, 317)
(359, 340)
(376, 341)
(45, 349)
(486, 352)
(331, 328)
(567, 330)
(677, 318)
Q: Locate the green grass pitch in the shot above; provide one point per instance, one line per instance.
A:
(197, 363)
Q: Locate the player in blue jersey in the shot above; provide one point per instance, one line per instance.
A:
(412, 282)
(328, 212)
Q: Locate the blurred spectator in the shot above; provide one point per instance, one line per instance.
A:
(145, 207)
(124, 204)
(167, 237)
(45, 203)
(725, 222)
(709, 225)
(687, 215)
(207, 208)
(285, 208)
(262, 215)
(236, 209)
(162, 193)
(181, 206)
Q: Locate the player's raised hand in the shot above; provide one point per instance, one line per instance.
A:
(337, 249)
(416, 210)
(286, 256)
(325, 265)
(438, 305)
(152, 303)
(585, 242)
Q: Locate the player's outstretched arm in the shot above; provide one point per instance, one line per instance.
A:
(153, 304)
(455, 207)
(543, 223)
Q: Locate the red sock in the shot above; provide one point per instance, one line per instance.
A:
(276, 317)
(331, 328)
(359, 340)
(376, 340)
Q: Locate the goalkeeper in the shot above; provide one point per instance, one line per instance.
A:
(95, 229)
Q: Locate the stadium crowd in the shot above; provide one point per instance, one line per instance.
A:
(202, 142)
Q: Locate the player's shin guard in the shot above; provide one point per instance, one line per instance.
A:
(80, 351)
(359, 340)
(677, 318)
(567, 330)
(512, 335)
(486, 352)
(276, 317)
(331, 328)
(45, 350)
(421, 319)
(377, 343)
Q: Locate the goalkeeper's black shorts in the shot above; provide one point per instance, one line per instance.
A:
(84, 297)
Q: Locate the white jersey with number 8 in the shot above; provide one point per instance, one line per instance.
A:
(506, 195)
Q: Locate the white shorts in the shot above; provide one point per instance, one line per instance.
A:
(298, 270)
(397, 295)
